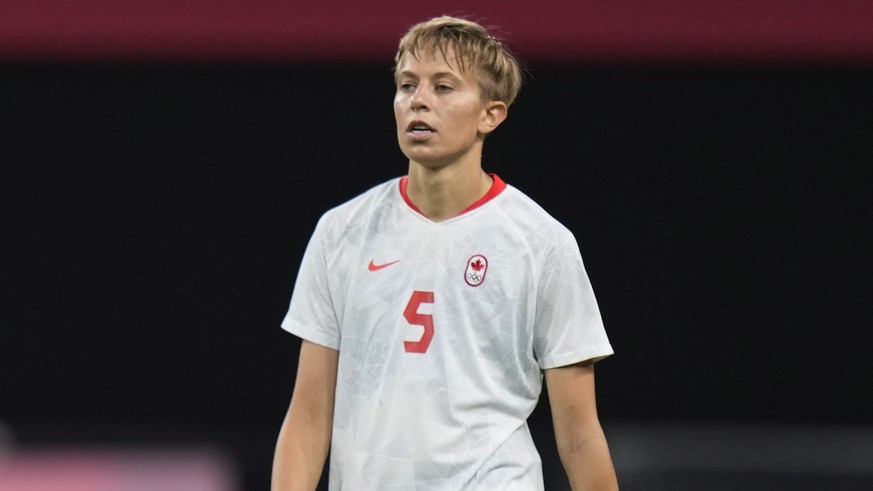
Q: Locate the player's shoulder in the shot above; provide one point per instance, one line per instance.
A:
(530, 218)
(357, 209)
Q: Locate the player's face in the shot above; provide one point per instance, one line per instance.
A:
(440, 116)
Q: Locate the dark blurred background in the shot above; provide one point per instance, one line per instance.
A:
(161, 170)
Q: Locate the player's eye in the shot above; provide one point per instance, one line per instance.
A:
(406, 87)
(443, 88)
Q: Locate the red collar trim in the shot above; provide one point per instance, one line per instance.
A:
(403, 183)
(497, 187)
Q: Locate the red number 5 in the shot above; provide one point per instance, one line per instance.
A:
(425, 320)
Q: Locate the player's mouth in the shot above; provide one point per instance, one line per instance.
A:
(419, 130)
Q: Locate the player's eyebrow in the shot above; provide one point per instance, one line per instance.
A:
(449, 75)
(414, 76)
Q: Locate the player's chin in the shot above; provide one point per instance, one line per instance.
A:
(424, 156)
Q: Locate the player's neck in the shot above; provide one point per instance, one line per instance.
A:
(445, 192)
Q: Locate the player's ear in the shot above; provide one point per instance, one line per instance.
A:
(493, 114)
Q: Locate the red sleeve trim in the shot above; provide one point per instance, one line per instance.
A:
(497, 187)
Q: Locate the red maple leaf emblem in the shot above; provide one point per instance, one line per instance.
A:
(477, 264)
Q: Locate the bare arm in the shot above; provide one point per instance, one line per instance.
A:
(304, 439)
(581, 443)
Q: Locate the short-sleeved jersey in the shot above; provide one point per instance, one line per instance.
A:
(443, 330)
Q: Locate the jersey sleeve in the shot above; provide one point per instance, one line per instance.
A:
(311, 314)
(568, 326)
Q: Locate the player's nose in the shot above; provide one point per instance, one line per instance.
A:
(419, 101)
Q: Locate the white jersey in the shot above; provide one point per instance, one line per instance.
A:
(442, 330)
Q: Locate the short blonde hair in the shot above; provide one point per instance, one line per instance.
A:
(497, 71)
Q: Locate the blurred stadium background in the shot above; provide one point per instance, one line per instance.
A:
(163, 163)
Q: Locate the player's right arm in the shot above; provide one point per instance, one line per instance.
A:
(304, 439)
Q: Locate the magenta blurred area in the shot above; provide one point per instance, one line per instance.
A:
(556, 31)
(116, 469)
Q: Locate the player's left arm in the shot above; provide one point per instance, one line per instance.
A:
(579, 436)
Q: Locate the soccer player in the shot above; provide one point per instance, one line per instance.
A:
(431, 306)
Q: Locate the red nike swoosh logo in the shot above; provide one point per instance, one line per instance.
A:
(376, 267)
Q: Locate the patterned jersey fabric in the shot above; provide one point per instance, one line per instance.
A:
(443, 331)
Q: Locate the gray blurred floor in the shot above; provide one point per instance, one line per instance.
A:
(741, 457)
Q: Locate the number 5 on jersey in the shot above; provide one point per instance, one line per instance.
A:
(414, 318)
